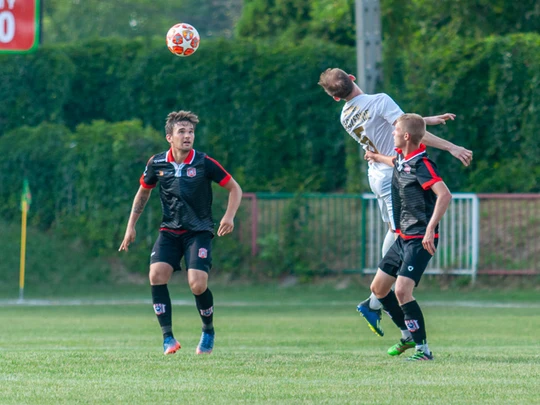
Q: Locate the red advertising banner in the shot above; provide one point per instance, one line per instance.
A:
(19, 26)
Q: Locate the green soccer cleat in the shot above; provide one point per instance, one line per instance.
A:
(419, 355)
(400, 347)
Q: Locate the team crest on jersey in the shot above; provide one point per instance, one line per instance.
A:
(406, 168)
(203, 253)
(160, 173)
(207, 312)
(159, 309)
(191, 172)
(412, 325)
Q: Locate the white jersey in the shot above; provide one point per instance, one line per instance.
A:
(369, 119)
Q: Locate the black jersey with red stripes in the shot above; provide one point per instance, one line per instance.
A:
(413, 200)
(185, 189)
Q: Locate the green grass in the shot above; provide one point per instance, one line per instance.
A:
(302, 345)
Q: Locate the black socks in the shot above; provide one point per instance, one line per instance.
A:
(414, 320)
(163, 309)
(394, 311)
(205, 305)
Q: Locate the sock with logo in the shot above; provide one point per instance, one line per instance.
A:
(205, 305)
(414, 319)
(394, 311)
(163, 309)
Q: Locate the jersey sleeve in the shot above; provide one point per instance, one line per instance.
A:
(427, 173)
(390, 110)
(149, 179)
(215, 172)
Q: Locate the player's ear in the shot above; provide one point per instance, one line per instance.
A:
(336, 98)
(352, 78)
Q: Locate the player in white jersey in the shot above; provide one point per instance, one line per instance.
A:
(370, 119)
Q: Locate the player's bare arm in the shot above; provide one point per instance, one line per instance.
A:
(443, 200)
(226, 224)
(139, 202)
(439, 119)
(459, 152)
(379, 158)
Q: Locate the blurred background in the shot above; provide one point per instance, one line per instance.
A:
(83, 112)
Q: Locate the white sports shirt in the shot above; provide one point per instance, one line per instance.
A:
(369, 119)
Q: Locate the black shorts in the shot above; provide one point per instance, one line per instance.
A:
(195, 247)
(406, 258)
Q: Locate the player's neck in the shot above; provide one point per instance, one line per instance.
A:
(356, 92)
(180, 155)
(410, 148)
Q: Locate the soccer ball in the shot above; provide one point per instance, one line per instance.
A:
(183, 39)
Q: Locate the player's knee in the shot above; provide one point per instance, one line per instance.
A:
(198, 286)
(159, 275)
(403, 295)
(378, 290)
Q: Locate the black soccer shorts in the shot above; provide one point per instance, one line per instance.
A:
(194, 247)
(407, 258)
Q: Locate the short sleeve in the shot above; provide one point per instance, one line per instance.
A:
(215, 172)
(390, 110)
(149, 178)
(427, 173)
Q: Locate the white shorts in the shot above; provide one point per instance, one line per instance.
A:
(380, 182)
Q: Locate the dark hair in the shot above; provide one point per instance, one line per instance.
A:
(179, 116)
(336, 82)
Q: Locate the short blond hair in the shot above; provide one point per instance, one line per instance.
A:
(336, 82)
(178, 116)
(414, 125)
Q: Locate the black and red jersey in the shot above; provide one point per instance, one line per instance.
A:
(185, 189)
(413, 201)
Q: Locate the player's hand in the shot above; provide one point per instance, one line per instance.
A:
(440, 119)
(429, 242)
(225, 226)
(465, 155)
(128, 238)
(370, 156)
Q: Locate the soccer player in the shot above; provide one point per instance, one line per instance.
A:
(370, 120)
(420, 199)
(185, 179)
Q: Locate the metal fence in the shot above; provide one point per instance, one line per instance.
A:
(457, 252)
(479, 234)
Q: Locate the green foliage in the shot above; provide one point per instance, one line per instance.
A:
(296, 20)
(73, 21)
(260, 114)
(290, 251)
(492, 86)
(51, 261)
(34, 87)
(40, 154)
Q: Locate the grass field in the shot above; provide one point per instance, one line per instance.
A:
(301, 345)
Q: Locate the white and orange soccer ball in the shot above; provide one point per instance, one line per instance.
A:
(183, 39)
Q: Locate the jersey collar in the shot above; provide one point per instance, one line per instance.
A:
(188, 160)
(421, 149)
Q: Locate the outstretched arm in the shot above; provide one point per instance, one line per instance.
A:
(139, 202)
(235, 198)
(377, 157)
(439, 119)
(458, 152)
